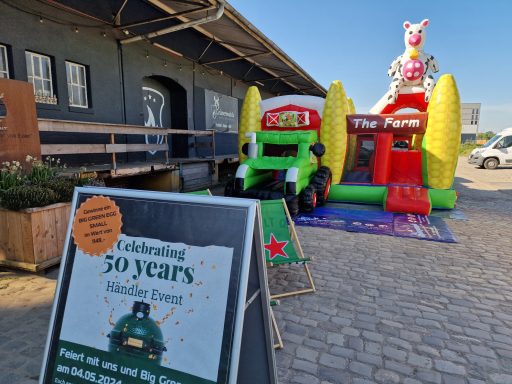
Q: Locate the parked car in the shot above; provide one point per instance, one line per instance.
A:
(497, 151)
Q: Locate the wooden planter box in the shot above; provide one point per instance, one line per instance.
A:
(33, 239)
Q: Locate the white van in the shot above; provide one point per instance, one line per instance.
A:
(498, 150)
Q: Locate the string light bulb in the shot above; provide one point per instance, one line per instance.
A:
(41, 20)
(76, 29)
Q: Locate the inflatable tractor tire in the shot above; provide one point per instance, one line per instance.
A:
(322, 183)
(308, 199)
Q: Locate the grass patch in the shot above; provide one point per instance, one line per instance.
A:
(466, 148)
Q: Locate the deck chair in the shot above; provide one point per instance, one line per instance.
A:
(277, 334)
(281, 243)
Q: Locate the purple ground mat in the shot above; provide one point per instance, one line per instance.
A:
(379, 223)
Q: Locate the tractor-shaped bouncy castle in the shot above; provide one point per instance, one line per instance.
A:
(405, 162)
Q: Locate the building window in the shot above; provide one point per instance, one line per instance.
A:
(77, 85)
(39, 73)
(4, 64)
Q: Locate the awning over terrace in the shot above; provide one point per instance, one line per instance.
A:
(227, 43)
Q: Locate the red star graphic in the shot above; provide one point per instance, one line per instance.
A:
(276, 248)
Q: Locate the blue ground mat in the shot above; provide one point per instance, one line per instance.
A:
(378, 222)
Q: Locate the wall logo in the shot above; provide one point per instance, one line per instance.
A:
(217, 111)
(153, 105)
(221, 112)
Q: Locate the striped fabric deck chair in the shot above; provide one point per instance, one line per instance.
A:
(281, 243)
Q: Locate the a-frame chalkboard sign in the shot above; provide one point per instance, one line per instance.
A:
(160, 288)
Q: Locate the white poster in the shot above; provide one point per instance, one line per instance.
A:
(185, 286)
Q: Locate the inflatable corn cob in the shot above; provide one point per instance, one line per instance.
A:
(352, 140)
(250, 118)
(442, 137)
(333, 132)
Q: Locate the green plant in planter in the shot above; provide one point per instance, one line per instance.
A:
(28, 196)
(36, 186)
(11, 175)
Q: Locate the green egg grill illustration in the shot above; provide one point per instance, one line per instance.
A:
(137, 335)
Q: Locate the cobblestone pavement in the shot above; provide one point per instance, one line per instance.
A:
(387, 310)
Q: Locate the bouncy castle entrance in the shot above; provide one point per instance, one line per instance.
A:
(387, 154)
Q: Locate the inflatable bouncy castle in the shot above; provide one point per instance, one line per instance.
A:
(403, 161)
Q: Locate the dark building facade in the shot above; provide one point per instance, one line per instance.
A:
(112, 62)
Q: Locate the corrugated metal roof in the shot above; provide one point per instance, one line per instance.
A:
(230, 44)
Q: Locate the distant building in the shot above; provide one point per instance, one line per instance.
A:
(470, 121)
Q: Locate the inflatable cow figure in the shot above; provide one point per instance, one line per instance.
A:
(411, 67)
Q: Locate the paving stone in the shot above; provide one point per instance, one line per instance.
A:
(343, 352)
(483, 351)
(449, 367)
(399, 343)
(450, 379)
(335, 338)
(307, 354)
(333, 375)
(303, 378)
(386, 377)
(419, 361)
(332, 361)
(394, 353)
(404, 369)
(427, 350)
(500, 378)
(427, 376)
(360, 368)
(481, 361)
(453, 356)
(356, 343)
(411, 337)
(373, 348)
(373, 336)
(369, 358)
(306, 366)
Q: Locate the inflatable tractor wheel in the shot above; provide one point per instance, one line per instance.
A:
(292, 202)
(322, 183)
(308, 199)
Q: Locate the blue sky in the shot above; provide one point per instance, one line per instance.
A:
(355, 41)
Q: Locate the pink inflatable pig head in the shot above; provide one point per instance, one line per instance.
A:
(415, 34)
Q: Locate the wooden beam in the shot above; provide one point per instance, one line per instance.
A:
(235, 58)
(71, 149)
(116, 148)
(50, 125)
(164, 18)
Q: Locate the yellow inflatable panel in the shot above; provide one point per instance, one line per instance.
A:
(333, 132)
(250, 118)
(352, 140)
(442, 137)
